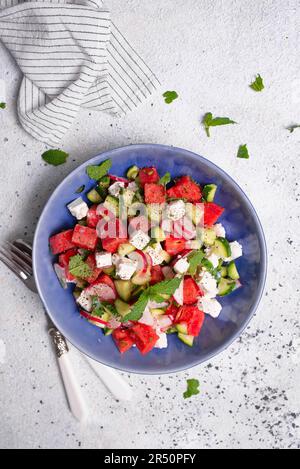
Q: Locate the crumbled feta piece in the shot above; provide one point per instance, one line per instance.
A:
(115, 188)
(162, 341)
(209, 285)
(236, 251)
(103, 259)
(147, 318)
(176, 210)
(156, 254)
(181, 266)
(213, 258)
(219, 230)
(210, 306)
(178, 295)
(127, 197)
(115, 258)
(139, 240)
(85, 301)
(126, 268)
(78, 208)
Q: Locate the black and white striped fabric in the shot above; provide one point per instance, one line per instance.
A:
(71, 55)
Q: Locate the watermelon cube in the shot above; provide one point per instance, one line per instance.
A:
(61, 242)
(155, 194)
(85, 237)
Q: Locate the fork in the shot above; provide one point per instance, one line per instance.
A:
(17, 256)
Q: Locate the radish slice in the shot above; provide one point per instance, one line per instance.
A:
(92, 318)
(164, 323)
(141, 259)
(118, 179)
(184, 229)
(168, 272)
(114, 323)
(103, 291)
(61, 275)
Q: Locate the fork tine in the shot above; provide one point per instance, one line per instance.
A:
(10, 264)
(21, 265)
(24, 246)
(22, 255)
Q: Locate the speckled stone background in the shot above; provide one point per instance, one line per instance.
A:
(209, 52)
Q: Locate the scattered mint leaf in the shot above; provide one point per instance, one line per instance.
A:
(55, 157)
(210, 268)
(192, 388)
(210, 121)
(167, 287)
(195, 260)
(165, 179)
(258, 84)
(98, 172)
(138, 308)
(2, 105)
(243, 152)
(80, 189)
(170, 96)
(99, 308)
(291, 128)
(79, 268)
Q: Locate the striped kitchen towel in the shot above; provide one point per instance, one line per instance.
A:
(72, 55)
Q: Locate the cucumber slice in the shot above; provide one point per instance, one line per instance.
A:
(186, 339)
(104, 182)
(224, 272)
(165, 256)
(112, 204)
(157, 312)
(209, 192)
(94, 197)
(109, 270)
(133, 172)
(197, 215)
(222, 248)
(226, 286)
(102, 192)
(182, 328)
(107, 331)
(122, 308)
(232, 271)
(158, 234)
(124, 289)
(82, 222)
(76, 293)
(209, 237)
(125, 249)
(172, 330)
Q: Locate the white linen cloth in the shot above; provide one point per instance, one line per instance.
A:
(71, 55)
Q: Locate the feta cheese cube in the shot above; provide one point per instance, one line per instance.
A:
(126, 268)
(182, 266)
(78, 208)
(115, 188)
(139, 240)
(213, 258)
(236, 251)
(156, 254)
(85, 301)
(209, 285)
(219, 230)
(210, 306)
(178, 295)
(162, 341)
(103, 259)
(115, 259)
(176, 210)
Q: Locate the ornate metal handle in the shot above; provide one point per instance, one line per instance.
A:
(60, 344)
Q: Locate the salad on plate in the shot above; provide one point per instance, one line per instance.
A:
(148, 256)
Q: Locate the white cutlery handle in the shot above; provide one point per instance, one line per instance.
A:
(74, 394)
(119, 388)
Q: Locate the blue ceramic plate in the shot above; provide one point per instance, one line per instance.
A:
(240, 221)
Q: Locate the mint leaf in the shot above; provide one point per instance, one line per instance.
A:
(210, 121)
(192, 388)
(167, 287)
(291, 128)
(195, 260)
(243, 152)
(99, 308)
(2, 105)
(55, 157)
(79, 268)
(165, 179)
(97, 172)
(258, 84)
(170, 96)
(80, 189)
(138, 308)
